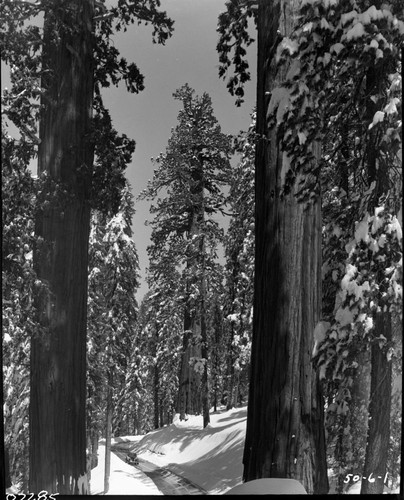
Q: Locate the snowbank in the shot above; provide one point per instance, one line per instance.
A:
(124, 479)
(210, 457)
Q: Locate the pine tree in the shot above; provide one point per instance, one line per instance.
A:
(190, 174)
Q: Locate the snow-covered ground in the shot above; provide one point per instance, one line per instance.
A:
(124, 479)
(210, 457)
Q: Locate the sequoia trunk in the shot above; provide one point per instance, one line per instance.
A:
(58, 353)
(378, 439)
(285, 430)
(190, 380)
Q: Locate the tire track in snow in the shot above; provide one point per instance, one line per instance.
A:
(168, 482)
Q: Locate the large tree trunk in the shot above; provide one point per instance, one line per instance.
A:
(58, 353)
(285, 428)
(378, 439)
(190, 380)
(94, 449)
(5, 462)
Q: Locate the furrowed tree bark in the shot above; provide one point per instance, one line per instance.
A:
(378, 439)
(58, 354)
(190, 381)
(285, 429)
(378, 436)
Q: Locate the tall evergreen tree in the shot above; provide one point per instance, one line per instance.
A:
(73, 57)
(18, 312)
(162, 332)
(191, 174)
(58, 369)
(112, 311)
(239, 252)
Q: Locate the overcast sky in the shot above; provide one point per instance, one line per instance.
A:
(189, 56)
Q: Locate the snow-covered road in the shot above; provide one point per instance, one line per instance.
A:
(166, 481)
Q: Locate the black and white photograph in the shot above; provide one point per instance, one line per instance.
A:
(201, 247)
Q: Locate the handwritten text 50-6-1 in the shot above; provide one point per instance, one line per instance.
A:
(355, 478)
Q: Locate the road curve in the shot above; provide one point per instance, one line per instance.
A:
(168, 482)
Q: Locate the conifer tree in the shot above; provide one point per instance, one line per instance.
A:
(162, 336)
(112, 314)
(18, 312)
(190, 175)
(64, 65)
(239, 251)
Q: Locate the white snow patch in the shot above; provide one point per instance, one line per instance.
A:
(379, 54)
(391, 107)
(382, 241)
(319, 334)
(362, 230)
(378, 220)
(395, 226)
(368, 323)
(378, 117)
(324, 24)
(210, 457)
(302, 137)
(355, 32)
(337, 47)
(344, 316)
(326, 58)
(287, 44)
(280, 99)
(350, 246)
(348, 17)
(124, 479)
